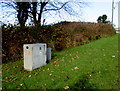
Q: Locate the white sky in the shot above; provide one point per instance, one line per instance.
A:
(97, 9)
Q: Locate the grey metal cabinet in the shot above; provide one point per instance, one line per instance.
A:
(34, 55)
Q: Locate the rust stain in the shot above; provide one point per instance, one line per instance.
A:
(29, 53)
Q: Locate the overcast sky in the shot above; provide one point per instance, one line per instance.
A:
(99, 8)
(89, 13)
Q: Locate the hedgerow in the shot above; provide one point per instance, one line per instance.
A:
(56, 37)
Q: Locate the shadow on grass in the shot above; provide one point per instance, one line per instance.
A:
(83, 84)
(53, 56)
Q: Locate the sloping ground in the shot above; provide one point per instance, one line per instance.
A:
(91, 66)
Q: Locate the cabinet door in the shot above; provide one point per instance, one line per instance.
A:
(28, 57)
(39, 56)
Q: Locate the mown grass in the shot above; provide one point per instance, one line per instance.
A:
(91, 66)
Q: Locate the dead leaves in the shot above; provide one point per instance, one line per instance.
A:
(57, 65)
(62, 60)
(21, 84)
(66, 87)
(77, 56)
(52, 79)
(76, 68)
(29, 76)
(14, 79)
(52, 71)
(73, 59)
(62, 71)
(113, 56)
(50, 74)
(55, 62)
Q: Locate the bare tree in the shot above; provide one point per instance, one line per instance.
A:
(21, 10)
(36, 9)
(58, 7)
(22, 13)
(37, 12)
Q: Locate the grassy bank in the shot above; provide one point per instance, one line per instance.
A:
(91, 66)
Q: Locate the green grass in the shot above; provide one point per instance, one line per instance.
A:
(0, 77)
(91, 66)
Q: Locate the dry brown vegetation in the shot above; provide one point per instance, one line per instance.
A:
(58, 37)
(84, 32)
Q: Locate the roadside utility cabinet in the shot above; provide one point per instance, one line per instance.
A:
(49, 54)
(34, 55)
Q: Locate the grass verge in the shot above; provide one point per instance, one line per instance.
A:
(91, 66)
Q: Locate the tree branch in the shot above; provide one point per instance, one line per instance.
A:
(9, 5)
(56, 7)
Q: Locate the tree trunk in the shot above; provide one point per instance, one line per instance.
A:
(34, 12)
(37, 22)
(22, 12)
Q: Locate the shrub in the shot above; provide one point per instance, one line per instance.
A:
(58, 37)
(83, 32)
(13, 40)
(15, 37)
